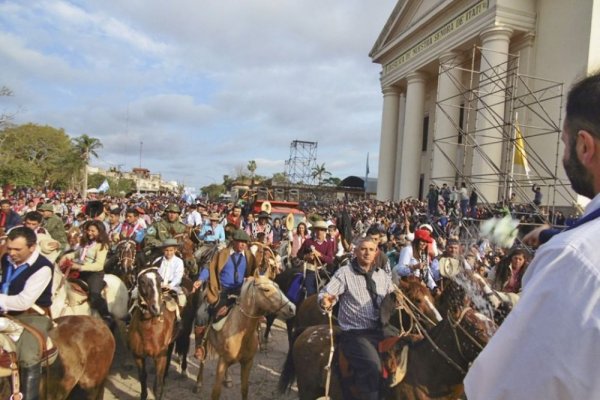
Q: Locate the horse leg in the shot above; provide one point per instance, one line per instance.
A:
(246, 366)
(198, 386)
(228, 380)
(140, 362)
(161, 371)
(222, 369)
(169, 355)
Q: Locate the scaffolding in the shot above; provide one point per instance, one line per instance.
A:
(499, 106)
(303, 159)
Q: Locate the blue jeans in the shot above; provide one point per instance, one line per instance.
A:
(360, 348)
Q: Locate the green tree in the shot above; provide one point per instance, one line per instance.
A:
(87, 147)
(280, 178)
(332, 181)
(213, 191)
(117, 186)
(31, 154)
(318, 172)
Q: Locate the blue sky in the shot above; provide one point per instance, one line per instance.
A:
(205, 85)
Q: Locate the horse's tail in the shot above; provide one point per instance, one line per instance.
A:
(288, 372)
(182, 342)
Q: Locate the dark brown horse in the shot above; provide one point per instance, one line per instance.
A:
(86, 349)
(125, 253)
(151, 332)
(436, 364)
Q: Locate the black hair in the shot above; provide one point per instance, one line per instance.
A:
(24, 232)
(34, 216)
(583, 107)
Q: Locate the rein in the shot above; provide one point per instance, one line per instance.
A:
(248, 314)
(457, 324)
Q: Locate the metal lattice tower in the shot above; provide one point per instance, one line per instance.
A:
(303, 158)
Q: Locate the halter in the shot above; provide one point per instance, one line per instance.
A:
(124, 246)
(141, 302)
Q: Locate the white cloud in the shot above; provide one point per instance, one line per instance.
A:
(205, 85)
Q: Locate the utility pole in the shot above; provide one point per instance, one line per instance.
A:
(141, 144)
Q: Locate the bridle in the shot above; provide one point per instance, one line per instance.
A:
(141, 302)
(253, 285)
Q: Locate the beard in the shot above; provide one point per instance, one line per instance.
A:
(580, 178)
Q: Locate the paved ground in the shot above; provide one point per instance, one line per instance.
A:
(123, 383)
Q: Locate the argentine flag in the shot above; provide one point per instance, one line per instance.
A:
(104, 186)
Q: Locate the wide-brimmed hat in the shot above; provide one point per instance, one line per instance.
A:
(214, 217)
(169, 243)
(263, 214)
(424, 235)
(46, 207)
(240, 236)
(173, 208)
(319, 225)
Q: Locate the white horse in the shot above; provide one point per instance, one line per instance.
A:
(67, 301)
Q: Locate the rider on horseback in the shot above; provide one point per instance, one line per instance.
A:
(162, 230)
(27, 290)
(171, 270)
(225, 277)
(317, 252)
(360, 288)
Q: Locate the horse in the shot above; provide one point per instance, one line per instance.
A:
(187, 248)
(125, 251)
(85, 353)
(435, 364)
(151, 332)
(73, 236)
(237, 340)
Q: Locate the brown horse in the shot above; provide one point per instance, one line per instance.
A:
(126, 251)
(151, 332)
(436, 365)
(86, 349)
(237, 340)
(187, 248)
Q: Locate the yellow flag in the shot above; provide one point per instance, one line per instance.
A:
(520, 155)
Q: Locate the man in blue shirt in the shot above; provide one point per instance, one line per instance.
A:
(225, 276)
(213, 232)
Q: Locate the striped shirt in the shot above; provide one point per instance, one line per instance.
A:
(356, 307)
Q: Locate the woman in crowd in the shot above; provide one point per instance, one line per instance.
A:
(298, 238)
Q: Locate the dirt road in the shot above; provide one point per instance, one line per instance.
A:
(123, 383)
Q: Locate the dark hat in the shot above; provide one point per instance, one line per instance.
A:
(263, 214)
(424, 235)
(240, 236)
(169, 243)
(173, 208)
(94, 208)
(46, 207)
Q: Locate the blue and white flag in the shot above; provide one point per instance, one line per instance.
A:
(104, 186)
(189, 194)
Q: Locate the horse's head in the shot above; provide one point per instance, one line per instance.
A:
(187, 248)
(126, 250)
(420, 296)
(261, 296)
(268, 263)
(472, 331)
(149, 284)
(73, 236)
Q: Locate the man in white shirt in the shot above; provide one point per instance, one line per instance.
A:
(171, 270)
(194, 218)
(547, 348)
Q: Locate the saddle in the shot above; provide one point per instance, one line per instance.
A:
(10, 332)
(394, 363)
(79, 291)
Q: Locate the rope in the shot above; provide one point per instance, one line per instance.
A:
(331, 350)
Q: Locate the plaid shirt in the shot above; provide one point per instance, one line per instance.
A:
(356, 307)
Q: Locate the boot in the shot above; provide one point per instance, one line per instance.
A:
(30, 381)
(200, 337)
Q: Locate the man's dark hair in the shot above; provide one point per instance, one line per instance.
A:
(583, 107)
(24, 232)
(374, 230)
(34, 216)
(133, 211)
(5, 201)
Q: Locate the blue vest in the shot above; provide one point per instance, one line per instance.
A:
(18, 283)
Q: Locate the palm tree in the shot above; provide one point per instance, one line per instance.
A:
(86, 146)
(251, 167)
(319, 172)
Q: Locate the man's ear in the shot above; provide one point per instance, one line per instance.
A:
(587, 148)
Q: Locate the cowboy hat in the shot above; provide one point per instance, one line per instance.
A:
(263, 214)
(289, 222)
(319, 225)
(169, 243)
(266, 207)
(240, 236)
(449, 267)
(214, 217)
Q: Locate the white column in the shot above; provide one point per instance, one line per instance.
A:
(487, 158)
(387, 144)
(447, 117)
(399, 141)
(413, 135)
